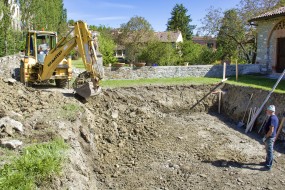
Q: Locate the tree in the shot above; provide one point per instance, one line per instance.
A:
(134, 35)
(231, 36)
(197, 54)
(161, 53)
(106, 43)
(251, 8)
(180, 21)
(211, 22)
(42, 14)
(71, 22)
(281, 3)
(8, 37)
(191, 52)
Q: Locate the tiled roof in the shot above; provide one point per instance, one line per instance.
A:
(270, 14)
(167, 36)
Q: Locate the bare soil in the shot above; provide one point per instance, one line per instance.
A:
(155, 137)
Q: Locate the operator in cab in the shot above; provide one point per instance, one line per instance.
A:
(43, 47)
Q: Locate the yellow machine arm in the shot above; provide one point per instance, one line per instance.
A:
(92, 61)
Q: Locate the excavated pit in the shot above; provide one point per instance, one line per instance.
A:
(155, 137)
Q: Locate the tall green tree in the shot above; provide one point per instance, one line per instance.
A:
(106, 43)
(42, 14)
(180, 21)
(8, 37)
(134, 35)
(231, 36)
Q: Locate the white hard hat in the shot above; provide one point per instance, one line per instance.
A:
(271, 108)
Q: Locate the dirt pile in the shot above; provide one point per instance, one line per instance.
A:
(156, 137)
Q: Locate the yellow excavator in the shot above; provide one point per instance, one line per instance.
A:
(51, 65)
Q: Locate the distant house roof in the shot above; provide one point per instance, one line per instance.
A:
(270, 14)
(209, 41)
(169, 36)
(203, 38)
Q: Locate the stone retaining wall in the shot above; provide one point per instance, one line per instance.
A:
(178, 71)
(11, 59)
(8, 64)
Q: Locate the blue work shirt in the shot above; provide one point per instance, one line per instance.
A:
(272, 121)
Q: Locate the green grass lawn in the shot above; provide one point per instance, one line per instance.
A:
(160, 81)
(259, 82)
(78, 64)
(246, 80)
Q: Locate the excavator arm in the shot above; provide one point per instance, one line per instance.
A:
(87, 82)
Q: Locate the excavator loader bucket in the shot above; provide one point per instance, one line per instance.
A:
(86, 90)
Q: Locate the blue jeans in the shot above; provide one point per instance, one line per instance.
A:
(269, 152)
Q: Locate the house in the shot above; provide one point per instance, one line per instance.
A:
(270, 28)
(165, 37)
(169, 37)
(208, 41)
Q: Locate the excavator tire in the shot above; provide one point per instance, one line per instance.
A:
(60, 83)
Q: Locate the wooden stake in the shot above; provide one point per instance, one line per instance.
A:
(236, 70)
(262, 124)
(252, 114)
(220, 97)
(224, 72)
(249, 116)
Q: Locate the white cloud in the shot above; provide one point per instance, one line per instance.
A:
(111, 18)
(118, 5)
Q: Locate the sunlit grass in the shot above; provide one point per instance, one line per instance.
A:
(34, 167)
(78, 64)
(160, 81)
(259, 82)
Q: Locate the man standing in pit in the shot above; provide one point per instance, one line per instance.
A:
(270, 134)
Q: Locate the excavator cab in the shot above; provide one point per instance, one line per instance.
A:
(33, 63)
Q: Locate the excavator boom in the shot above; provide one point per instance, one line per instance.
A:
(38, 70)
(87, 83)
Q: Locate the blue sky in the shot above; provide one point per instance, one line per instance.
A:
(113, 13)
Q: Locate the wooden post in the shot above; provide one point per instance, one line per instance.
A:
(249, 116)
(224, 72)
(252, 114)
(220, 97)
(236, 70)
(265, 119)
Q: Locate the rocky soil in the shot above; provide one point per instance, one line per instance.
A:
(154, 137)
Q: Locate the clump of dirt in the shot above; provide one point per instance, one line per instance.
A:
(152, 137)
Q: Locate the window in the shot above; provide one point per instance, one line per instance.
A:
(210, 45)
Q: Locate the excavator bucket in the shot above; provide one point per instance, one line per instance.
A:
(86, 90)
